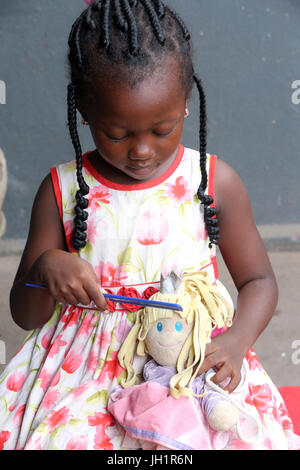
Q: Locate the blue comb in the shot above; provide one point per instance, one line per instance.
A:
(129, 300)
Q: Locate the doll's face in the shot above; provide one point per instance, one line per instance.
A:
(165, 339)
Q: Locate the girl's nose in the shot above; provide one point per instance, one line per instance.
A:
(141, 150)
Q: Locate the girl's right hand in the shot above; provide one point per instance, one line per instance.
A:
(69, 279)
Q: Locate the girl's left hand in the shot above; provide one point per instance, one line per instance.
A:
(225, 355)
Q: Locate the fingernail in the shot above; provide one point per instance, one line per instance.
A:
(106, 311)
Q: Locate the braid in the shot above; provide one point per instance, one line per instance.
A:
(132, 28)
(160, 8)
(154, 21)
(119, 17)
(210, 220)
(102, 30)
(82, 203)
(105, 37)
(185, 31)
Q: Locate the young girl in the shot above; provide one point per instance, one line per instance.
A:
(116, 217)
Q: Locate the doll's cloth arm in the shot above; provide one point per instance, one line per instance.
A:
(156, 373)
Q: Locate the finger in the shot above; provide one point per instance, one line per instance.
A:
(223, 373)
(235, 380)
(82, 297)
(95, 293)
(67, 299)
(210, 362)
(213, 358)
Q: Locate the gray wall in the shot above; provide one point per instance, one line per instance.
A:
(248, 55)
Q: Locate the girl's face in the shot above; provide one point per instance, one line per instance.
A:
(137, 131)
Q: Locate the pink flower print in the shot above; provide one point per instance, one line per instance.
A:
(15, 381)
(92, 361)
(179, 191)
(56, 379)
(35, 445)
(17, 420)
(72, 362)
(201, 233)
(78, 391)
(238, 444)
(69, 232)
(95, 229)
(58, 343)
(4, 436)
(102, 421)
(87, 325)
(46, 339)
(152, 229)
(261, 397)
(71, 316)
(13, 406)
(98, 194)
(285, 420)
(252, 360)
(45, 377)
(103, 339)
(122, 330)
(110, 369)
(102, 441)
(50, 398)
(77, 443)
(109, 274)
(56, 418)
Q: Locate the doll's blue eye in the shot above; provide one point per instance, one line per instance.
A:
(178, 326)
(159, 326)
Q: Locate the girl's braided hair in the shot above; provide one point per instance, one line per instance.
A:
(127, 39)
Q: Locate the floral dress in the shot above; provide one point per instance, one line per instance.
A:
(55, 390)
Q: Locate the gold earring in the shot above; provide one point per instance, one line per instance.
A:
(187, 113)
(84, 122)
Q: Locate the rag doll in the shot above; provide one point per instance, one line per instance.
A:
(174, 403)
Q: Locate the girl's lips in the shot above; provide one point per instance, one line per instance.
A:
(141, 169)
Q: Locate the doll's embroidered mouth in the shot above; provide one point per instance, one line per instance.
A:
(168, 345)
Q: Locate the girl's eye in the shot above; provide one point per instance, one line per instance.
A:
(114, 139)
(178, 326)
(163, 134)
(159, 326)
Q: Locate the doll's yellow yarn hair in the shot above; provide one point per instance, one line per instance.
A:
(202, 304)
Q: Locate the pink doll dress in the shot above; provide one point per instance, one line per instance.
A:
(150, 413)
(54, 392)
